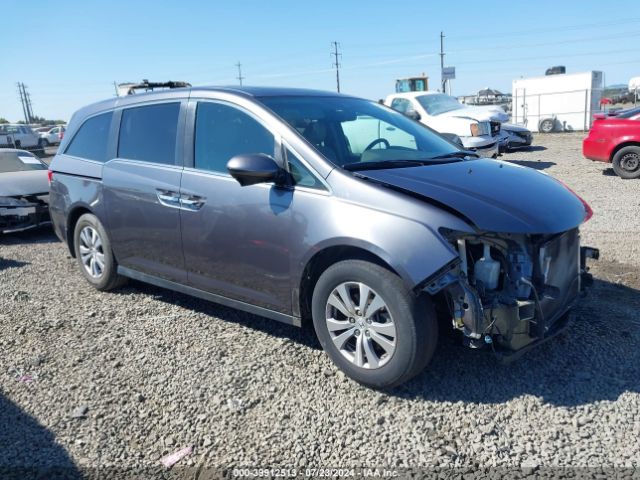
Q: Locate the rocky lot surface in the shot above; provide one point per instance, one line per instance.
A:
(119, 380)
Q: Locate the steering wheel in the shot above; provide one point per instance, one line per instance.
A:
(376, 142)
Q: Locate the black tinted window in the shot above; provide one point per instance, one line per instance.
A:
(149, 133)
(92, 138)
(222, 132)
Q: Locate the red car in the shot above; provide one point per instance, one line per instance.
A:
(616, 140)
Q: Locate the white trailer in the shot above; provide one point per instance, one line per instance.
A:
(563, 102)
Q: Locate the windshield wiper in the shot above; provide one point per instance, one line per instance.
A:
(384, 164)
(458, 154)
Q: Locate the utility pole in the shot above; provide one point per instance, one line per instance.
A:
(442, 80)
(115, 86)
(337, 56)
(28, 101)
(25, 99)
(239, 77)
(24, 106)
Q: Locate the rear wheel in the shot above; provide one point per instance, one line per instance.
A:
(626, 162)
(94, 255)
(546, 126)
(371, 326)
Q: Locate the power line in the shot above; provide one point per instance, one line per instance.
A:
(239, 77)
(337, 55)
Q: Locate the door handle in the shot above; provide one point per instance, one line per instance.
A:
(192, 202)
(168, 198)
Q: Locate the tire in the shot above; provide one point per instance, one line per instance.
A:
(547, 125)
(43, 143)
(626, 162)
(90, 238)
(409, 321)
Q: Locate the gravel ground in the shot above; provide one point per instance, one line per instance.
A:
(118, 380)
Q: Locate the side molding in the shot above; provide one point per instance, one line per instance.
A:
(212, 297)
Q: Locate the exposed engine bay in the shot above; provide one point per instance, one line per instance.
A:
(23, 212)
(508, 291)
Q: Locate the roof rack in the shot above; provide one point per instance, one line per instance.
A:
(130, 88)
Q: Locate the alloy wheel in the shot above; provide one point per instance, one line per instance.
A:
(630, 162)
(91, 251)
(360, 325)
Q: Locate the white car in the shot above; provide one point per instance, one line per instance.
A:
(18, 136)
(53, 136)
(444, 114)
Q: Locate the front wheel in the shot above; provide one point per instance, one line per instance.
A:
(94, 255)
(372, 327)
(626, 162)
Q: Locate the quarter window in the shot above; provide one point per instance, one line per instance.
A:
(149, 133)
(301, 174)
(92, 139)
(223, 131)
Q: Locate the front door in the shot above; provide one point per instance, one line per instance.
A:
(141, 191)
(235, 239)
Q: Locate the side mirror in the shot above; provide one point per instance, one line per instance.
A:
(412, 114)
(253, 168)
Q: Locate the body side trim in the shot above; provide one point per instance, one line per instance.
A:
(212, 297)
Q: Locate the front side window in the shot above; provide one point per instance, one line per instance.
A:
(353, 131)
(92, 139)
(401, 105)
(223, 131)
(148, 133)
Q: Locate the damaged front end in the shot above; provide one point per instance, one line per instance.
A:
(512, 291)
(22, 213)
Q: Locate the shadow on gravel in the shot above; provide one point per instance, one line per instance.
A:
(9, 263)
(37, 235)
(608, 172)
(538, 165)
(304, 336)
(596, 359)
(28, 449)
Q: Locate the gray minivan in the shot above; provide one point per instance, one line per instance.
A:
(299, 204)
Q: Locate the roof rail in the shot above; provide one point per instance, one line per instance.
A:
(130, 88)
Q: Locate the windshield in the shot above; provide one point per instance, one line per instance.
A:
(438, 103)
(351, 130)
(19, 162)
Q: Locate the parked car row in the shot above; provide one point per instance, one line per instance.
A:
(482, 129)
(299, 204)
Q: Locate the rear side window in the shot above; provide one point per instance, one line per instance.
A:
(92, 139)
(223, 131)
(149, 133)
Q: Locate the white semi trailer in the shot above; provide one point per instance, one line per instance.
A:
(563, 102)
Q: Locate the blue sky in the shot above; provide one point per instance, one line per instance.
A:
(69, 53)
